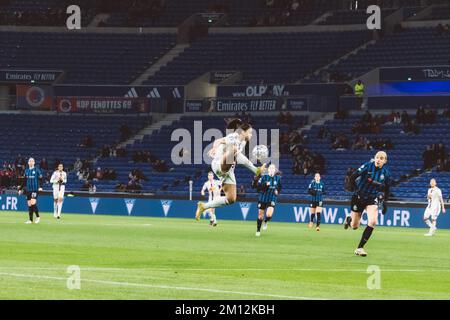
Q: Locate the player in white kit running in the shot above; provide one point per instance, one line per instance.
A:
(435, 203)
(214, 188)
(226, 152)
(58, 180)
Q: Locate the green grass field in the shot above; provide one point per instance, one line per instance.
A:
(157, 258)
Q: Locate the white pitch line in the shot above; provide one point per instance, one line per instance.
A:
(226, 269)
(141, 285)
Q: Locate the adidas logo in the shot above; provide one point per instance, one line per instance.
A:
(176, 93)
(245, 207)
(131, 93)
(154, 93)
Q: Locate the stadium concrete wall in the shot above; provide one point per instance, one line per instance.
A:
(398, 215)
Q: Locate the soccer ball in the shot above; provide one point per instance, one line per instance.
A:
(260, 152)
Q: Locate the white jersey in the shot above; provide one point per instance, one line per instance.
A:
(434, 203)
(213, 188)
(434, 197)
(233, 140)
(58, 187)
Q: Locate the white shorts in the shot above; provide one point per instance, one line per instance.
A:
(58, 192)
(225, 178)
(432, 212)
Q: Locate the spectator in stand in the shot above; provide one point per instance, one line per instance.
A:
(420, 114)
(125, 132)
(341, 142)
(87, 142)
(404, 118)
(429, 158)
(361, 143)
(160, 166)
(446, 112)
(43, 164)
(410, 127)
(241, 191)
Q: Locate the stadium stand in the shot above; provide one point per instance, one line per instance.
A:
(414, 46)
(61, 137)
(403, 159)
(41, 12)
(88, 58)
(268, 57)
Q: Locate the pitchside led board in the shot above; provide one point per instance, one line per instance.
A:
(398, 215)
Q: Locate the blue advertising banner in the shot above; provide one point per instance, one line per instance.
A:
(152, 92)
(297, 104)
(29, 76)
(418, 73)
(397, 215)
(193, 106)
(281, 90)
(253, 105)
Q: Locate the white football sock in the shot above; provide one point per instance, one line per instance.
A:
(428, 223)
(55, 209)
(217, 202)
(241, 159)
(59, 209)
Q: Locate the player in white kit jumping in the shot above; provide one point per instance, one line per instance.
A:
(435, 203)
(226, 153)
(58, 180)
(214, 188)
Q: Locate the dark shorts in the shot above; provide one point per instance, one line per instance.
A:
(316, 204)
(265, 205)
(31, 195)
(359, 203)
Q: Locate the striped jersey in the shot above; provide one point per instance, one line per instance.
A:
(32, 177)
(372, 180)
(267, 186)
(316, 189)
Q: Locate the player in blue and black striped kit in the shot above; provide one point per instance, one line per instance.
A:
(269, 187)
(31, 186)
(316, 189)
(370, 184)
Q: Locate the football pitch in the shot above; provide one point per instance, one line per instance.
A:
(167, 258)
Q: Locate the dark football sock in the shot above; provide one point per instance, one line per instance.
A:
(267, 219)
(30, 212)
(258, 224)
(36, 210)
(318, 219)
(311, 217)
(365, 236)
